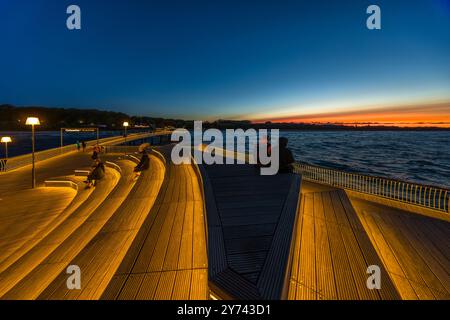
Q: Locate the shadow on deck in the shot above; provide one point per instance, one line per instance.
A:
(250, 223)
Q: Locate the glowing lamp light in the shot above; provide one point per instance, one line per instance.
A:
(32, 121)
(126, 124)
(6, 140)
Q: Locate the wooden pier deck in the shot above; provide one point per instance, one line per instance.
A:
(340, 233)
(415, 249)
(168, 259)
(332, 252)
(187, 231)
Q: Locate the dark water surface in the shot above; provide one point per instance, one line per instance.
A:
(415, 156)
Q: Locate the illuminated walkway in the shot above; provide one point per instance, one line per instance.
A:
(104, 218)
(332, 252)
(147, 239)
(168, 259)
(415, 249)
(338, 237)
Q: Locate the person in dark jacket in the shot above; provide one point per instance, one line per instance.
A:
(285, 156)
(143, 165)
(97, 173)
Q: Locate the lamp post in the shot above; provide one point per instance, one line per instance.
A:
(126, 125)
(32, 121)
(6, 140)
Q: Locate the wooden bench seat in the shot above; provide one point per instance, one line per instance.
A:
(66, 239)
(100, 258)
(36, 211)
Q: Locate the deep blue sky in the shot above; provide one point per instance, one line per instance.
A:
(211, 59)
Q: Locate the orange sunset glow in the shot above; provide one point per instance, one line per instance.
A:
(428, 115)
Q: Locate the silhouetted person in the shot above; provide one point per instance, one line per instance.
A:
(78, 145)
(95, 152)
(83, 144)
(143, 165)
(97, 173)
(286, 158)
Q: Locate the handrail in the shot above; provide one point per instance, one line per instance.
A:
(121, 149)
(411, 193)
(61, 183)
(114, 166)
(126, 149)
(23, 160)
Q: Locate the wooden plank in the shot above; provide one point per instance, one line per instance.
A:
(339, 210)
(182, 286)
(165, 286)
(296, 251)
(307, 269)
(326, 285)
(200, 259)
(159, 254)
(358, 265)
(328, 210)
(131, 287)
(439, 263)
(406, 261)
(199, 285)
(173, 249)
(345, 284)
(186, 246)
(146, 252)
(114, 287)
(412, 252)
(148, 286)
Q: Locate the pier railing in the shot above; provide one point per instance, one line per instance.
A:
(421, 195)
(26, 159)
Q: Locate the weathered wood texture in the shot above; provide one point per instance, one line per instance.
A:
(168, 258)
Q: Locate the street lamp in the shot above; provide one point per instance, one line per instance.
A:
(6, 140)
(126, 125)
(32, 121)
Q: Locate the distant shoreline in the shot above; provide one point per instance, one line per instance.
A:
(13, 118)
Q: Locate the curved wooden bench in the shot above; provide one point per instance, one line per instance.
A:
(112, 186)
(21, 221)
(35, 235)
(102, 256)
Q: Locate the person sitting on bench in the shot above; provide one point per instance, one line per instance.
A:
(97, 173)
(143, 165)
(286, 157)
